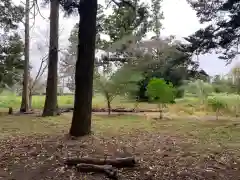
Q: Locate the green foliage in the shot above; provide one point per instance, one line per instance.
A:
(126, 20)
(159, 91)
(222, 33)
(199, 88)
(157, 16)
(10, 15)
(121, 82)
(216, 104)
(11, 62)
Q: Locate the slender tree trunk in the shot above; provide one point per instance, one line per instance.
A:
(109, 106)
(160, 111)
(25, 92)
(30, 99)
(50, 106)
(81, 121)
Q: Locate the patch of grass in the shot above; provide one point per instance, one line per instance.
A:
(202, 134)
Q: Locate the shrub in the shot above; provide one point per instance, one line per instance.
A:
(160, 93)
(216, 104)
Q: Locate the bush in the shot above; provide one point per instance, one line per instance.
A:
(216, 104)
(160, 93)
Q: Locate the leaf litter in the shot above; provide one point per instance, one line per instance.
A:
(41, 157)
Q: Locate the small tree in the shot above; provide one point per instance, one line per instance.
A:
(217, 104)
(199, 88)
(120, 82)
(161, 93)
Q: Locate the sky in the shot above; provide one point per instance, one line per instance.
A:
(179, 20)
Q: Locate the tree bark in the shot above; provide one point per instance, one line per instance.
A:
(118, 162)
(30, 99)
(25, 92)
(160, 111)
(81, 121)
(108, 104)
(50, 106)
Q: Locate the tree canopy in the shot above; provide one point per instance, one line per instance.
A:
(11, 62)
(222, 32)
(10, 15)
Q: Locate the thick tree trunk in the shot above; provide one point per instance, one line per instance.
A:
(25, 92)
(81, 121)
(50, 106)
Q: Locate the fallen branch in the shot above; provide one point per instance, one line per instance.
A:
(118, 162)
(117, 110)
(109, 170)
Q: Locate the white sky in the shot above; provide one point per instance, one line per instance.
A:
(180, 20)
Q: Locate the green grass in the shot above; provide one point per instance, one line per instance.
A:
(201, 134)
(187, 105)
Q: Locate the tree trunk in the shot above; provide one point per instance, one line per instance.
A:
(30, 99)
(160, 111)
(109, 107)
(81, 121)
(25, 99)
(108, 104)
(50, 106)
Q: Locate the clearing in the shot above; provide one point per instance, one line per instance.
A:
(34, 148)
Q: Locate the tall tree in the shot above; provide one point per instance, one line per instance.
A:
(81, 121)
(157, 17)
(67, 63)
(223, 32)
(11, 62)
(25, 93)
(50, 106)
(11, 46)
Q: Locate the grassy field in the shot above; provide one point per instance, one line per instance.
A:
(185, 106)
(171, 149)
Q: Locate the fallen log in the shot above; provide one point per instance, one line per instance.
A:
(118, 162)
(109, 170)
(116, 110)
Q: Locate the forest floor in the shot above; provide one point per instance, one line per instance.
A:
(34, 148)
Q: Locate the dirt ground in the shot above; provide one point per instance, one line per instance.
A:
(160, 157)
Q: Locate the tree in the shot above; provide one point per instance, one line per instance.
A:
(67, 63)
(120, 82)
(162, 59)
(157, 17)
(199, 88)
(161, 93)
(50, 106)
(11, 50)
(222, 32)
(81, 122)
(10, 15)
(11, 62)
(217, 104)
(223, 84)
(235, 76)
(25, 91)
